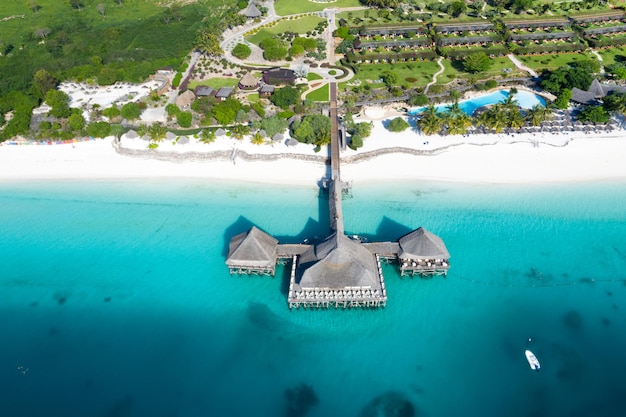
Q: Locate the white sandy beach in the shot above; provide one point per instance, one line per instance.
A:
(480, 158)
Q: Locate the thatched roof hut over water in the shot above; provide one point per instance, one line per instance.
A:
(253, 251)
(422, 244)
(338, 262)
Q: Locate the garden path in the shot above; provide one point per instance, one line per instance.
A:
(521, 66)
(593, 51)
(435, 75)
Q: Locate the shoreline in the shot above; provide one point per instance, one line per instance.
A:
(385, 157)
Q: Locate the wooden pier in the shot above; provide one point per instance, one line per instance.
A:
(338, 271)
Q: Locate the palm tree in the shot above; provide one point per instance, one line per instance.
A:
(538, 114)
(207, 136)
(515, 118)
(239, 131)
(429, 121)
(157, 132)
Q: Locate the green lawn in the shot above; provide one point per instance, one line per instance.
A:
(422, 71)
(552, 61)
(608, 55)
(321, 94)
(300, 25)
(215, 83)
(313, 76)
(286, 7)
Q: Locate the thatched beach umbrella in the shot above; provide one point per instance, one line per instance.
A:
(278, 137)
(291, 142)
(131, 134)
(183, 140)
(170, 136)
(220, 132)
(262, 133)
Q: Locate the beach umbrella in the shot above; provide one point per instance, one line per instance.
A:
(183, 140)
(220, 132)
(278, 137)
(262, 133)
(170, 136)
(131, 134)
(291, 142)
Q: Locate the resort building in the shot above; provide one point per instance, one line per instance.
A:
(266, 90)
(251, 12)
(204, 91)
(249, 82)
(278, 76)
(223, 93)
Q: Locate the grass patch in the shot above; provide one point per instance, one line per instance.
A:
(321, 94)
(609, 55)
(301, 25)
(421, 71)
(253, 97)
(215, 83)
(286, 7)
(313, 76)
(552, 61)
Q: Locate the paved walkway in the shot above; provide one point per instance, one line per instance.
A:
(521, 66)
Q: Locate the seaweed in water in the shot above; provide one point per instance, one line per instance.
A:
(263, 317)
(389, 404)
(107, 299)
(606, 321)
(300, 400)
(573, 320)
(60, 298)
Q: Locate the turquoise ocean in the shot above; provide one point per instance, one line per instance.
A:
(115, 302)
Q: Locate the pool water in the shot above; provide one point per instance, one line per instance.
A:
(525, 100)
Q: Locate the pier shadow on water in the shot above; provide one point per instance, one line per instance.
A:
(387, 230)
(312, 229)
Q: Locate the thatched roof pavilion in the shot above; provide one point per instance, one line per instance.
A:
(251, 12)
(337, 271)
(253, 251)
(248, 82)
(185, 99)
(422, 252)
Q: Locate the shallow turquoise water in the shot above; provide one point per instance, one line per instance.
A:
(115, 301)
(525, 100)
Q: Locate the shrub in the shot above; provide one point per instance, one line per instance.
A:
(398, 125)
(184, 119)
(177, 79)
(241, 51)
(489, 84)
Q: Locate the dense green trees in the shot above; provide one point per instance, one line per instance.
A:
(594, 114)
(285, 97)
(273, 125)
(615, 102)
(577, 74)
(226, 111)
(274, 49)
(418, 100)
(98, 129)
(477, 62)
(59, 103)
(130, 111)
(314, 129)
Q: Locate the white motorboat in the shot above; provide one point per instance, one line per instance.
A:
(532, 360)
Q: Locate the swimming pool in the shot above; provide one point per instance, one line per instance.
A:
(525, 100)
